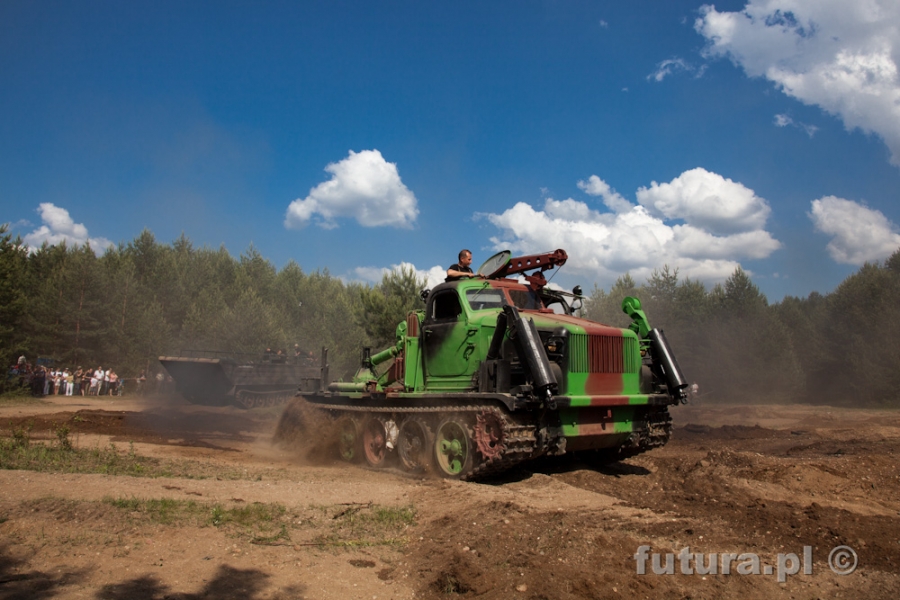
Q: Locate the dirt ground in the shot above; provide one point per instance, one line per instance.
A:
(770, 481)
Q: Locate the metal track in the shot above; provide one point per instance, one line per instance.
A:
(251, 399)
(520, 440)
(518, 444)
(654, 435)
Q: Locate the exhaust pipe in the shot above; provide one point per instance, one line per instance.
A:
(531, 352)
(675, 380)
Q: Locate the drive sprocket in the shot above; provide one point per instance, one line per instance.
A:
(490, 434)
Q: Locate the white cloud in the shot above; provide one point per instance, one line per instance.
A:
(611, 198)
(668, 67)
(723, 223)
(859, 233)
(59, 227)
(363, 186)
(841, 56)
(708, 201)
(783, 120)
(433, 276)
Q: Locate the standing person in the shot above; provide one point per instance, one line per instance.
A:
(463, 268)
(113, 382)
(70, 382)
(78, 379)
(96, 378)
(141, 382)
(38, 381)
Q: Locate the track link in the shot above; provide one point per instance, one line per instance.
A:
(655, 434)
(519, 444)
(250, 399)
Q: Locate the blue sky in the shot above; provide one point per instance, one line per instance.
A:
(357, 136)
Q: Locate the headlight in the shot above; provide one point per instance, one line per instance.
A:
(555, 345)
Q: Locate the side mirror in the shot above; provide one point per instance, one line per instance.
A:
(578, 304)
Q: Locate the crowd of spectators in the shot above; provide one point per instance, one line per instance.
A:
(78, 381)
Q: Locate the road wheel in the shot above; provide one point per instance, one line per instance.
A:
(349, 442)
(414, 445)
(453, 448)
(374, 442)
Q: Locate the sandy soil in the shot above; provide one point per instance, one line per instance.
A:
(767, 480)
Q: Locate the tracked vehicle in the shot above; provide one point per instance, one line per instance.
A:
(498, 369)
(246, 381)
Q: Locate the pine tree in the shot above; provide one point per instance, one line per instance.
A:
(13, 299)
(387, 304)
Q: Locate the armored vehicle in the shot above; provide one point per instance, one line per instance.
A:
(218, 379)
(498, 369)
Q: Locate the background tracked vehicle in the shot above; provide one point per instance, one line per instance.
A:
(489, 374)
(247, 381)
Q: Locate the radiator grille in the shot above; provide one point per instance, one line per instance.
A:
(602, 354)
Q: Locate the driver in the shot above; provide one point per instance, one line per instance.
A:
(462, 269)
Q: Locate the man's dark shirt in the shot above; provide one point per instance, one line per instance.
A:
(459, 268)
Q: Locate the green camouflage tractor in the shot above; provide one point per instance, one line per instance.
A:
(496, 370)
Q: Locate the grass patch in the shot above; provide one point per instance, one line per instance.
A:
(267, 524)
(18, 451)
(246, 516)
(335, 541)
(163, 511)
(359, 525)
(262, 523)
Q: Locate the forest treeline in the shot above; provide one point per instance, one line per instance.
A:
(834, 349)
(145, 299)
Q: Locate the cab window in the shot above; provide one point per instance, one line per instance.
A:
(525, 299)
(445, 307)
(481, 299)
